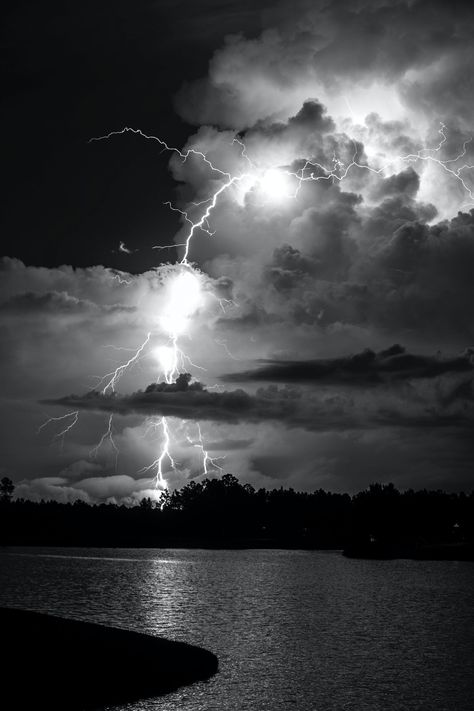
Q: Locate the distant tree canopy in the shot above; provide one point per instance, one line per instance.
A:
(6, 489)
(223, 512)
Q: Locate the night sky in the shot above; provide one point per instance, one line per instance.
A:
(332, 343)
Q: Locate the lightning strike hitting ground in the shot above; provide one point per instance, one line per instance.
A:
(208, 463)
(158, 464)
(273, 183)
(183, 296)
(161, 425)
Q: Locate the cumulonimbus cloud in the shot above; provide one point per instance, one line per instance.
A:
(421, 50)
(376, 258)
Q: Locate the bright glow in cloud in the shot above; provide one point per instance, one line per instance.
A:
(353, 261)
(167, 359)
(184, 297)
(358, 101)
(275, 185)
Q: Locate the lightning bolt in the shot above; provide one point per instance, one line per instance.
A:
(223, 343)
(206, 215)
(119, 277)
(340, 171)
(64, 418)
(169, 246)
(158, 464)
(108, 435)
(208, 463)
(310, 171)
(223, 303)
(202, 222)
(161, 425)
(173, 359)
(114, 376)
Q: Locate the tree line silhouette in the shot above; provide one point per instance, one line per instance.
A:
(379, 522)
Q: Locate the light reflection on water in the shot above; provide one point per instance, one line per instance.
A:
(299, 630)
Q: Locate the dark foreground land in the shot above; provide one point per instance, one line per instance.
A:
(380, 522)
(53, 663)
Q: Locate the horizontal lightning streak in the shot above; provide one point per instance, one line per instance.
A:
(184, 156)
(202, 223)
(339, 171)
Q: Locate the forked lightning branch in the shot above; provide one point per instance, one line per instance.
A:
(183, 286)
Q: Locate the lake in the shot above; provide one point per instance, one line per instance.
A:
(293, 630)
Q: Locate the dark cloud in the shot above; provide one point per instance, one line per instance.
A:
(387, 270)
(405, 183)
(447, 402)
(379, 257)
(363, 369)
(182, 384)
(311, 118)
(422, 49)
(193, 402)
(228, 445)
(81, 70)
(387, 135)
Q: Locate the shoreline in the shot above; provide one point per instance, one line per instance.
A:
(461, 552)
(84, 665)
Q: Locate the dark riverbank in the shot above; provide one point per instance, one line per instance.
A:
(59, 664)
(223, 513)
(393, 551)
(442, 551)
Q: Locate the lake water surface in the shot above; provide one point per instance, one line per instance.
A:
(293, 630)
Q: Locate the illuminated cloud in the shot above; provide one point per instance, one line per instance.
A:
(357, 57)
(114, 489)
(300, 275)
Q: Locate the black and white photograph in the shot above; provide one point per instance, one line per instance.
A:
(237, 355)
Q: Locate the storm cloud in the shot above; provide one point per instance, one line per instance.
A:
(365, 108)
(417, 53)
(444, 401)
(363, 369)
